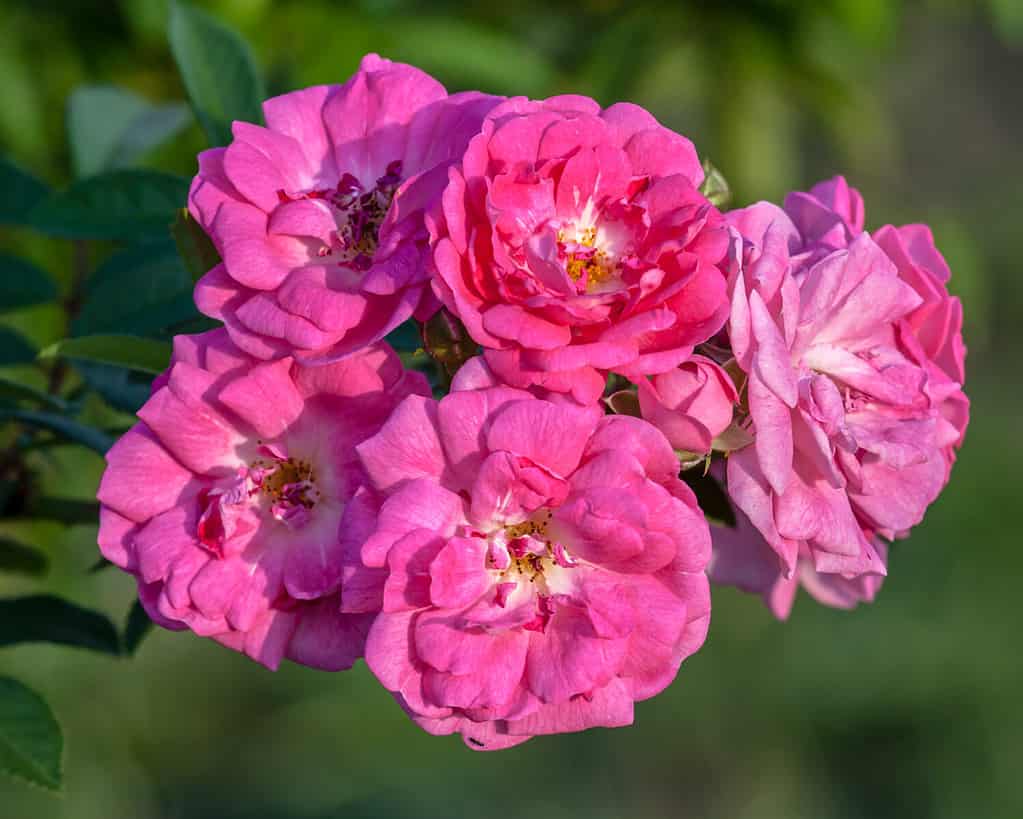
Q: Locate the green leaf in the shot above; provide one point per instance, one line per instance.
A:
(156, 126)
(143, 290)
(17, 391)
(22, 284)
(121, 204)
(62, 426)
(111, 127)
(31, 744)
(44, 618)
(625, 402)
(711, 496)
(21, 193)
(715, 187)
(16, 557)
(64, 510)
(194, 246)
(733, 438)
(406, 337)
(100, 565)
(130, 352)
(137, 626)
(218, 71)
(15, 348)
(472, 55)
(124, 390)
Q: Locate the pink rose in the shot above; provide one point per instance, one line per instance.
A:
(933, 333)
(573, 241)
(691, 404)
(742, 558)
(546, 565)
(226, 499)
(319, 216)
(848, 442)
(832, 215)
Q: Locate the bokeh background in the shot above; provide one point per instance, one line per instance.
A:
(907, 708)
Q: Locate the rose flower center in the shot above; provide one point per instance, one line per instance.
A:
(523, 555)
(587, 263)
(359, 213)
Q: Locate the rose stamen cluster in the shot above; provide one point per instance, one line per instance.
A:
(359, 215)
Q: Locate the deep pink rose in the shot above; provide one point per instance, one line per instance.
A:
(546, 565)
(848, 439)
(319, 216)
(691, 404)
(573, 241)
(225, 501)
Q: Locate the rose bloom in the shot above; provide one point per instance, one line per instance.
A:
(932, 334)
(744, 559)
(319, 216)
(691, 404)
(851, 438)
(573, 241)
(545, 565)
(225, 500)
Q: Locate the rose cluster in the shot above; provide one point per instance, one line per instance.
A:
(525, 554)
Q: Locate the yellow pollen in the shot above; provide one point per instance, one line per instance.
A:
(531, 565)
(285, 473)
(597, 267)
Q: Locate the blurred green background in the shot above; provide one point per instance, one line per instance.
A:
(907, 708)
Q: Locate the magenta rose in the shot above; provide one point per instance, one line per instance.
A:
(545, 565)
(319, 216)
(849, 443)
(226, 499)
(573, 241)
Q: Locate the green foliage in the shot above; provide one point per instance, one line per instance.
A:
(112, 127)
(62, 426)
(711, 496)
(218, 71)
(44, 618)
(143, 290)
(194, 247)
(31, 744)
(715, 186)
(130, 352)
(16, 557)
(21, 193)
(22, 284)
(15, 348)
(17, 391)
(120, 204)
(64, 510)
(136, 627)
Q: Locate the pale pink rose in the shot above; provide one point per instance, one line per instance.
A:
(572, 241)
(226, 500)
(691, 404)
(933, 333)
(319, 216)
(546, 565)
(848, 442)
(742, 558)
(832, 214)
